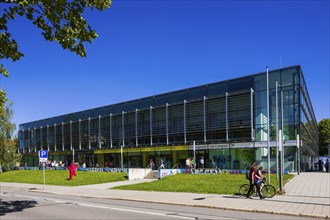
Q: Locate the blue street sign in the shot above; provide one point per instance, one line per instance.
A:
(43, 154)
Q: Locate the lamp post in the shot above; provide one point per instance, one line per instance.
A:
(268, 147)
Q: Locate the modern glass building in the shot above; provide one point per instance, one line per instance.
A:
(227, 120)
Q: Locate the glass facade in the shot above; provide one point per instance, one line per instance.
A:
(226, 120)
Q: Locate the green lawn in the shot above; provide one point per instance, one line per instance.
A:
(59, 177)
(199, 183)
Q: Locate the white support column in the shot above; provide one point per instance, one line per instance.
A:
(55, 138)
(35, 139)
(282, 128)
(227, 124)
(70, 135)
(280, 150)
(48, 137)
(123, 127)
(204, 118)
(151, 126)
(89, 133)
(62, 136)
(268, 129)
(136, 128)
(252, 122)
(184, 121)
(276, 109)
(79, 128)
(29, 139)
(167, 139)
(110, 130)
(99, 136)
(41, 147)
(298, 154)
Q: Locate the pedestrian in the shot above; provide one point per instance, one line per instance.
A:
(201, 161)
(252, 178)
(188, 163)
(320, 165)
(72, 170)
(193, 163)
(151, 164)
(327, 165)
(162, 166)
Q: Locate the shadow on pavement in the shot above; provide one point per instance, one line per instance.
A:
(15, 206)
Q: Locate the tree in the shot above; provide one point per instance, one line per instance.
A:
(324, 135)
(8, 154)
(8, 146)
(61, 21)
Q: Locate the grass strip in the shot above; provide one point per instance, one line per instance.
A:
(60, 177)
(200, 183)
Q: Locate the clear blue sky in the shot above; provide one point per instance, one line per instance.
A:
(151, 47)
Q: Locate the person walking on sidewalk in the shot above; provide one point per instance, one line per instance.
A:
(253, 181)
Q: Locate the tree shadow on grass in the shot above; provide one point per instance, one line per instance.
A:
(15, 206)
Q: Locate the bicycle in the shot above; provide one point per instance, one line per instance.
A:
(266, 190)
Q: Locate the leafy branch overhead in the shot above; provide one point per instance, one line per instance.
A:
(61, 21)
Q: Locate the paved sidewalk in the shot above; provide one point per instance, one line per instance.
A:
(306, 195)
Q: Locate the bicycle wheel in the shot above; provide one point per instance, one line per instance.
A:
(244, 189)
(268, 191)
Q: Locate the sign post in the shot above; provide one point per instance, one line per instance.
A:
(280, 150)
(43, 157)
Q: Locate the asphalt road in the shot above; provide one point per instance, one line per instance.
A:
(24, 204)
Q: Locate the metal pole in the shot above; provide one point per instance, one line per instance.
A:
(251, 106)
(328, 157)
(121, 157)
(167, 140)
(71, 135)
(89, 133)
(298, 155)
(268, 147)
(41, 148)
(48, 137)
(204, 118)
(55, 137)
(150, 125)
(280, 165)
(110, 130)
(184, 122)
(99, 139)
(79, 133)
(195, 155)
(123, 127)
(276, 109)
(282, 155)
(136, 128)
(73, 155)
(227, 138)
(43, 172)
(62, 136)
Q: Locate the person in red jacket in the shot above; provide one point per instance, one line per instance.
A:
(72, 170)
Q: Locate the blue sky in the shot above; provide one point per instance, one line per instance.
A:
(151, 47)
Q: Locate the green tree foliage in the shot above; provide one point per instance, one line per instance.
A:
(324, 135)
(8, 154)
(8, 146)
(61, 21)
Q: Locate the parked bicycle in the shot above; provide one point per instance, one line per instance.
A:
(266, 190)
